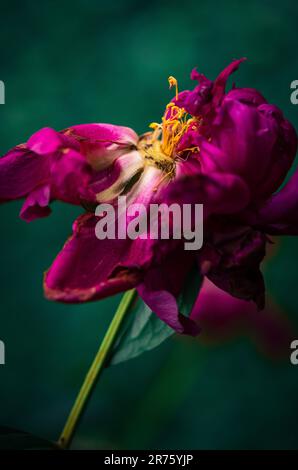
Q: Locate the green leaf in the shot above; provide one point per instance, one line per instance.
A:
(13, 439)
(142, 330)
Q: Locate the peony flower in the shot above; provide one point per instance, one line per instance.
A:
(228, 151)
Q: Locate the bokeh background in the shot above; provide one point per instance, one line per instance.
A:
(70, 62)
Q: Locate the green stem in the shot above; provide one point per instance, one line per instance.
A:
(95, 370)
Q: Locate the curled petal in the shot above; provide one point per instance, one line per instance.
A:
(47, 141)
(36, 204)
(206, 96)
(103, 143)
(21, 171)
(221, 81)
(67, 163)
(231, 259)
(88, 268)
(162, 285)
(112, 181)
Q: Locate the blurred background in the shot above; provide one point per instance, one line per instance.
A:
(71, 62)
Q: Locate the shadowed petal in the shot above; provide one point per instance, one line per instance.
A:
(161, 287)
(221, 193)
(231, 260)
(70, 178)
(279, 216)
(222, 316)
(36, 204)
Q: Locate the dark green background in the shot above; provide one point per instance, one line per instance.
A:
(70, 62)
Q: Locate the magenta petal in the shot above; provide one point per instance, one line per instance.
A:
(226, 193)
(68, 162)
(100, 132)
(88, 268)
(245, 140)
(213, 303)
(256, 143)
(222, 316)
(245, 95)
(36, 204)
(111, 181)
(232, 261)
(207, 95)
(220, 193)
(279, 214)
(45, 141)
(103, 143)
(161, 287)
(20, 172)
(220, 82)
(165, 306)
(70, 178)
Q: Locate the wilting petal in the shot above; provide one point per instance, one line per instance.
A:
(161, 287)
(243, 282)
(255, 143)
(67, 163)
(221, 81)
(21, 171)
(231, 260)
(197, 101)
(36, 204)
(206, 96)
(284, 150)
(103, 143)
(88, 268)
(70, 178)
(238, 137)
(112, 181)
(48, 141)
(237, 133)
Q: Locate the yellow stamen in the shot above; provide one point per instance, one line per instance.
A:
(160, 147)
(173, 82)
(174, 124)
(154, 125)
